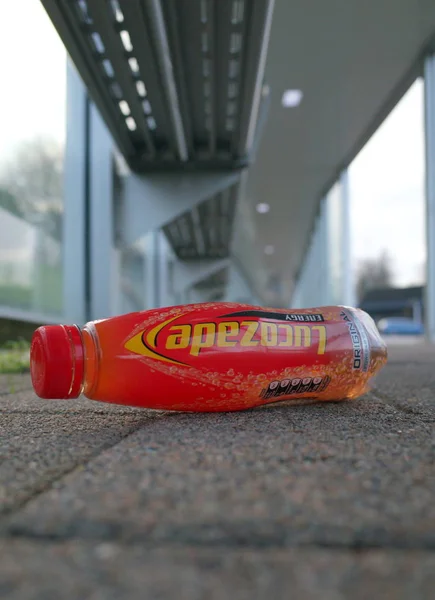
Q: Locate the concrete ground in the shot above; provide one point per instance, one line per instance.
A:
(327, 501)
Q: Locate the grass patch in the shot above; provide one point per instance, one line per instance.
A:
(14, 357)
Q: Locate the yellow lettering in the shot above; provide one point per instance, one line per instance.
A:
(180, 338)
(302, 336)
(322, 338)
(225, 334)
(288, 340)
(203, 337)
(269, 334)
(227, 330)
(251, 330)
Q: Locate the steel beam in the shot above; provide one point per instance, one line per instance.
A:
(154, 200)
(189, 274)
(205, 231)
(167, 69)
(178, 82)
(248, 138)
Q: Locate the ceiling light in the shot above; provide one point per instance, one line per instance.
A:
(269, 250)
(263, 208)
(292, 98)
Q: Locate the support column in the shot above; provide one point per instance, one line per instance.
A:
(103, 272)
(322, 282)
(150, 270)
(339, 251)
(313, 285)
(326, 276)
(334, 249)
(429, 101)
(165, 296)
(348, 280)
(90, 264)
(76, 199)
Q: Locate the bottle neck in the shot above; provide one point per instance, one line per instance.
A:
(91, 359)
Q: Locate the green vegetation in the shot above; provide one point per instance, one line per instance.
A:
(49, 292)
(14, 357)
(18, 296)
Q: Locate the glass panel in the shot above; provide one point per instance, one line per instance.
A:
(32, 126)
(387, 200)
(133, 270)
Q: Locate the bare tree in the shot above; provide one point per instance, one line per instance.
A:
(34, 178)
(9, 203)
(374, 274)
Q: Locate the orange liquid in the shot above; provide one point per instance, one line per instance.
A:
(224, 356)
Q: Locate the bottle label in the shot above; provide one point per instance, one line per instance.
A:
(360, 341)
(290, 387)
(179, 341)
(223, 356)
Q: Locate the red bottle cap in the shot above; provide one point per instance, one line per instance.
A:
(57, 361)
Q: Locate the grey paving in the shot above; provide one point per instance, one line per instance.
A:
(12, 384)
(109, 571)
(326, 500)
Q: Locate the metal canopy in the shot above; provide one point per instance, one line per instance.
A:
(352, 60)
(213, 288)
(178, 82)
(216, 281)
(205, 231)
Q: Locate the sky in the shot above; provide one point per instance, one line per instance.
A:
(387, 191)
(33, 72)
(386, 178)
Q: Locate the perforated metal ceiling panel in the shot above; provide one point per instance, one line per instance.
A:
(205, 232)
(178, 82)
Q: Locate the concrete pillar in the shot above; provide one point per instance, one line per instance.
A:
(104, 277)
(75, 234)
(326, 275)
(429, 100)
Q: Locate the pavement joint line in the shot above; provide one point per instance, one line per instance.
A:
(354, 543)
(47, 485)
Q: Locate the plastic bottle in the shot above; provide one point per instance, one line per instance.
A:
(210, 357)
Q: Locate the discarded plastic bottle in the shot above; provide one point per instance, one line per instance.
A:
(210, 357)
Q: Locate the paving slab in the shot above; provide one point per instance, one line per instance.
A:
(329, 500)
(409, 380)
(340, 474)
(40, 444)
(13, 383)
(110, 571)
